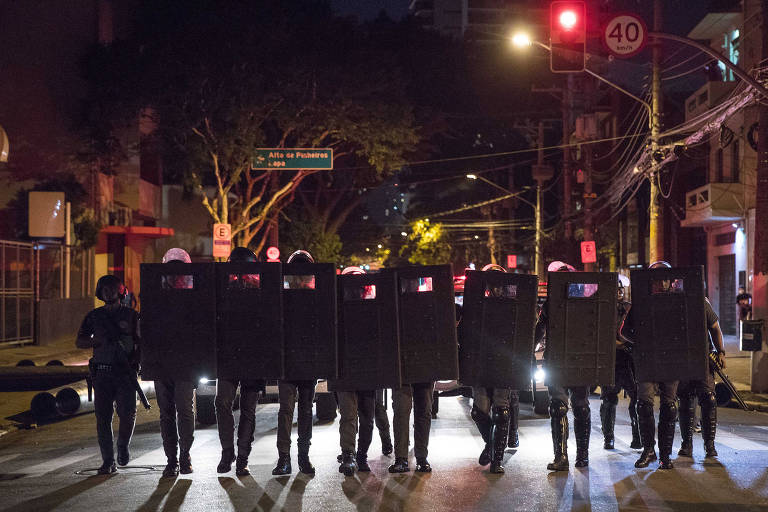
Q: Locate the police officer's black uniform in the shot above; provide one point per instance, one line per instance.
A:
(109, 329)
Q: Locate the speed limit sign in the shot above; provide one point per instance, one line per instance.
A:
(625, 35)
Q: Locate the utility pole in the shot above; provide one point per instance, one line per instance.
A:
(540, 177)
(567, 175)
(656, 214)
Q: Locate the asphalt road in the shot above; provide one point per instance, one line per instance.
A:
(37, 471)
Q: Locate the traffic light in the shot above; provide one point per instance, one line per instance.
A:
(567, 36)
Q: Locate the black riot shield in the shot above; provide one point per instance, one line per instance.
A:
(178, 321)
(427, 323)
(496, 331)
(369, 355)
(250, 327)
(309, 321)
(669, 324)
(581, 328)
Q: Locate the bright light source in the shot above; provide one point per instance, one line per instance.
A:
(204, 380)
(476, 237)
(735, 225)
(521, 40)
(367, 249)
(568, 19)
(379, 246)
(539, 375)
(472, 176)
(403, 233)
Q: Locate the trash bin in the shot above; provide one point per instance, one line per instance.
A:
(751, 335)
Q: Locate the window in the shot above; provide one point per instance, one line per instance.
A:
(177, 282)
(581, 290)
(296, 282)
(360, 292)
(667, 286)
(244, 282)
(725, 238)
(504, 291)
(416, 285)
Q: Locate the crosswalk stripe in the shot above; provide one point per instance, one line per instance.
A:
(52, 465)
(10, 456)
(740, 443)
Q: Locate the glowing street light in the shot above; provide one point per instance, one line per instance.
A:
(521, 40)
(472, 176)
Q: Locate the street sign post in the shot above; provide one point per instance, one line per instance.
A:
(310, 159)
(588, 252)
(625, 35)
(222, 240)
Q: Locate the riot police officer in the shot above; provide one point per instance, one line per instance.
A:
(688, 391)
(624, 378)
(667, 408)
(491, 411)
(109, 329)
(289, 393)
(250, 390)
(176, 398)
(558, 402)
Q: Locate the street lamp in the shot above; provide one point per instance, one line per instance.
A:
(521, 40)
(539, 261)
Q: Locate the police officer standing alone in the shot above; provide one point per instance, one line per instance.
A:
(176, 398)
(624, 378)
(112, 332)
(289, 393)
(705, 391)
(250, 390)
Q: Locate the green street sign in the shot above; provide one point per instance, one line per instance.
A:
(294, 159)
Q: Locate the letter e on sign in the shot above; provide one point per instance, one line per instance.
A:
(222, 240)
(588, 252)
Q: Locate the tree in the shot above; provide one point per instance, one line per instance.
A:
(222, 79)
(426, 244)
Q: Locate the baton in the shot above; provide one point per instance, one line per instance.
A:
(724, 378)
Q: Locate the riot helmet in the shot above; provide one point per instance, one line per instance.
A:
(110, 289)
(242, 254)
(560, 266)
(300, 256)
(659, 264)
(623, 284)
(493, 266)
(176, 254)
(352, 270)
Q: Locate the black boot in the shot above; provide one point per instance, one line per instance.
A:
(499, 433)
(185, 463)
(558, 413)
(107, 468)
(687, 412)
(647, 434)
(582, 425)
(283, 466)
(667, 419)
(400, 466)
(348, 465)
(423, 465)
(514, 417)
(607, 421)
(483, 422)
(636, 442)
(123, 456)
(709, 424)
(227, 458)
(171, 469)
(305, 466)
(241, 465)
(362, 462)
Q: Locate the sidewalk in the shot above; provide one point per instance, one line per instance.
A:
(738, 369)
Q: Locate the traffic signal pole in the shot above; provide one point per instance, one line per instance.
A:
(656, 212)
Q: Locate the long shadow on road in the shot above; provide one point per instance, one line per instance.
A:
(56, 498)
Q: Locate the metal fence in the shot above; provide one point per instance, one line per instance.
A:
(33, 272)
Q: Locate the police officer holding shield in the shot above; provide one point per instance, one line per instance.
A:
(289, 393)
(688, 391)
(176, 398)
(624, 378)
(558, 402)
(250, 390)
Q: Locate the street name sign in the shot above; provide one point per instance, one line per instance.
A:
(222, 240)
(625, 35)
(309, 159)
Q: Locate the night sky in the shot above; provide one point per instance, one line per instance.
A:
(369, 9)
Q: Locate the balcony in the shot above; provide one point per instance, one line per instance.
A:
(716, 202)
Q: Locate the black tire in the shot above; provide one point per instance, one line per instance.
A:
(206, 410)
(541, 403)
(325, 407)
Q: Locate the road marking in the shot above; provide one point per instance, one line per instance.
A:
(739, 443)
(6, 458)
(154, 457)
(53, 464)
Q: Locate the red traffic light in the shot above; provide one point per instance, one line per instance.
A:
(567, 36)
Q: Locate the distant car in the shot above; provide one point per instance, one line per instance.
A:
(325, 402)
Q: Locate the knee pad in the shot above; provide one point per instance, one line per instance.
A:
(668, 411)
(557, 408)
(581, 412)
(501, 414)
(644, 408)
(612, 399)
(708, 399)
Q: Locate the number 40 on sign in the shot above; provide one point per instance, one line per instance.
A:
(625, 35)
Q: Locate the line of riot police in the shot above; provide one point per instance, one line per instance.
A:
(244, 322)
